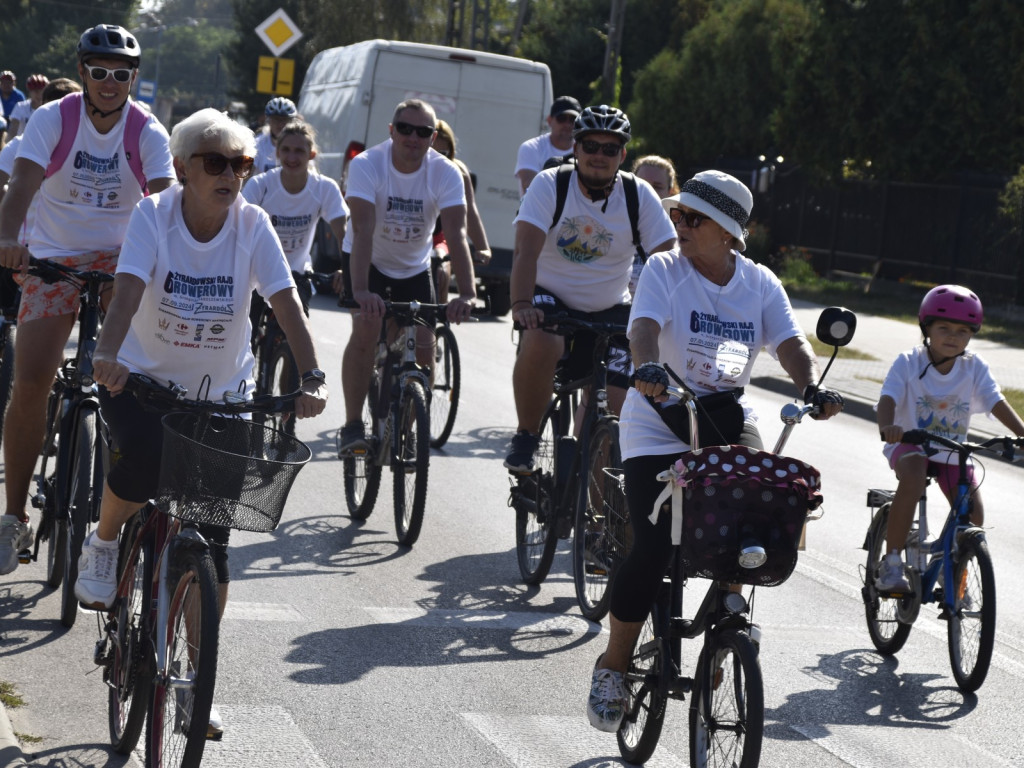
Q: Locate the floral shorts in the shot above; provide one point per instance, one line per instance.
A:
(40, 299)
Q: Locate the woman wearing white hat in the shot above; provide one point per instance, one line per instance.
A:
(703, 312)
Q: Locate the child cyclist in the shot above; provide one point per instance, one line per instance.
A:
(936, 387)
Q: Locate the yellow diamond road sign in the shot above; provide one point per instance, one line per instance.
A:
(279, 32)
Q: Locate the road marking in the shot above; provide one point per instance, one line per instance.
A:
(261, 737)
(547, 623)
(241, 611)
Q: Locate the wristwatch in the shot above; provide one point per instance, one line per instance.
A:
(314, 375)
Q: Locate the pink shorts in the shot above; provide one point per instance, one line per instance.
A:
(40, 299)
(948, 475)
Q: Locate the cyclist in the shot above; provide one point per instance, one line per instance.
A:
(535, 152)
(659, 173)
(296, 199)
(396, 191)
(279, 112)
(582, 265)
(936, 386)
(81, 218)
(10, 94)
(706, 311)
(444, 142)
(23, 109)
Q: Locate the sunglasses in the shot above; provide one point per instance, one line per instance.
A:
(99, 74)
(692, 218)
(214, 164)
(564, 118)
(593, 147)
(423, 131)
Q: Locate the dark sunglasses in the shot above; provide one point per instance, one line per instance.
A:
(423, 131)
(564, 118)
(99, 74)
(214, 164)
(692, 218)
(593, 147)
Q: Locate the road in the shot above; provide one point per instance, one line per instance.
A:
(339, 648)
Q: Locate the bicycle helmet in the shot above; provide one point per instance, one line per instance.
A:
(602, 119)
(951, 302)
(37, 82)
(281, 106)
(8, 75)
(109, 41)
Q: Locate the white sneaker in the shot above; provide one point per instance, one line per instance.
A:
(891, 577)
(97, 573)
(215, 730)
(606, 705)
(15, 535)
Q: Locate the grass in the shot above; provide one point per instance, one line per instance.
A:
(9, 696)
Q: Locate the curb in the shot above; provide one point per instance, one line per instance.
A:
(10, 749)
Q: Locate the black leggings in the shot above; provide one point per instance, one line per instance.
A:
(636, 581)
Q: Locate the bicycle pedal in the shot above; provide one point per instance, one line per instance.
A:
(25, 556)
(212, 735)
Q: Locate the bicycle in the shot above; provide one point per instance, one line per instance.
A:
(158, 642)
(954, 570)
(69, 495)
(446, 384)
(10, 298)
(751, 524)
(566, 490)
(397, 412)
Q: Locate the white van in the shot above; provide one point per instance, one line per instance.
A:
(493, 103)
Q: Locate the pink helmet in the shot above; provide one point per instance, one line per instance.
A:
(951, 302)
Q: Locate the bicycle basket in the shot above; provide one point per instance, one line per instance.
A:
(227, 472)
(734, 496)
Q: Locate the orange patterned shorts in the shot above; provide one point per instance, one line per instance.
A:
(39, 299)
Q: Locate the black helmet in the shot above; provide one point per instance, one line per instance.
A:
(109, 41)
(602, 119)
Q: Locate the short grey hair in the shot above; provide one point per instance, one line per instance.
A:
(210, 125)
(417, 104)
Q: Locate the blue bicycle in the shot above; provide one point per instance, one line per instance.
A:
(954, 570)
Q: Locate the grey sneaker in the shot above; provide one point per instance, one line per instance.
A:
(352, 439)
(15, 536)
(97, 573)
(606, 705)
(891, 577)
(520, 455)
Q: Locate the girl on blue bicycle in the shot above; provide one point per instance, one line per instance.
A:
(936, 386)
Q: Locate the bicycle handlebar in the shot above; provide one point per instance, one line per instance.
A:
(51, 272)
(150, 393)
(1003, 444)
(563, 324)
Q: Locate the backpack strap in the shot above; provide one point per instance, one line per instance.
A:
(70, 114)
(633, 209)
(133, 126)
(561, 190)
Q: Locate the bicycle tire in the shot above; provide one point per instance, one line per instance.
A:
(362, 473)
(183, 693)
(646, 699)
(284, 379)
(447, 384)
(75, 471)
(8, 332)
(594, 548)
(971, 628)
(536, 534)
(727, 704)
(888, 634)
(130, 671)
(410, 466)
(56, 535)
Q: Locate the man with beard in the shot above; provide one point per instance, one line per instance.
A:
(580, 264)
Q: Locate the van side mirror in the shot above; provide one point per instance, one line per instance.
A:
(836, 326)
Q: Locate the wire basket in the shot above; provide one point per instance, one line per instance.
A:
(226, 471)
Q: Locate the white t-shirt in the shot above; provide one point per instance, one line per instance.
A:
(710, 336)
(193, 320)
(533, 153)
(85, 205)
(22, 112)
(295, 216)
(940, 404)
(406, 205)
(7, 157)
(587, 258)
(266, 152)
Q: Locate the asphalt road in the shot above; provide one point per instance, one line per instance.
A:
(340, 648)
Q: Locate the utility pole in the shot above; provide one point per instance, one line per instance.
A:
(611, 57)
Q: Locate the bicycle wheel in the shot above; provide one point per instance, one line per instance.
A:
(7, 332)
(593, 548)
(183, 693)
(888, 633)
(129, 669)
(362, 473)
(727, 704)
(972, 627)
(284, 379)
(444, 393)
(411, 463)
(645, 699)
(536, 536)
(76, 459)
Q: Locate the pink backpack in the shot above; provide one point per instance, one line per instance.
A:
(70, 114)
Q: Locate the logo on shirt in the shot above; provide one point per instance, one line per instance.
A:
(581, 239)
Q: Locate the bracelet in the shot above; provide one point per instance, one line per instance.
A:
(650, 364)
(522, 301)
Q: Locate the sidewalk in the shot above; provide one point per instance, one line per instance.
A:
(860, 381)
(10, 749)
